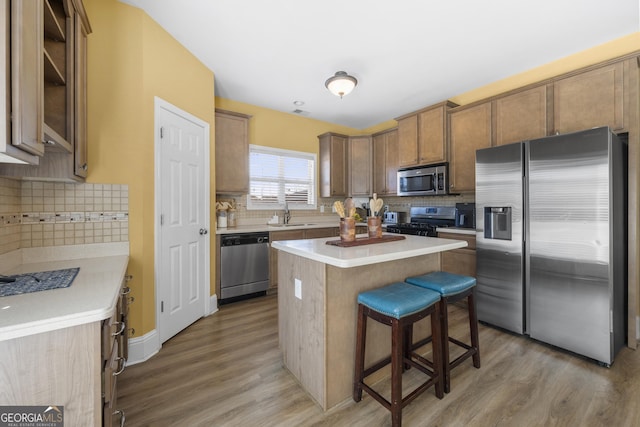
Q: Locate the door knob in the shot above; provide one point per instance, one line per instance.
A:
(203, 231)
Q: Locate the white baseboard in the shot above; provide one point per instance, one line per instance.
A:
(213, 304)
(142, 348)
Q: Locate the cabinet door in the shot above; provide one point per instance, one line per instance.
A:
(315, 233)
(385, 163)
(391, 168)
(360, 153)
(408, 141)
(460, 261)
(590, 99)
(521, 116)
(379, 164)
(80, 134)
(232, 153)
(470, 130)
(333, 158)
(431, 136)
(27, 73)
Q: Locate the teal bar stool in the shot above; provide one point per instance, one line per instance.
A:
(453, 288)
(399, 305)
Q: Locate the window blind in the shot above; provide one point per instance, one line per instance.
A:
(277, 176)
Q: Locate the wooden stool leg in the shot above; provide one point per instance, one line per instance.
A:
(397, 363)
(361, 335)
(408, 341)
(444, 327)
(473, 325)
(436, 344)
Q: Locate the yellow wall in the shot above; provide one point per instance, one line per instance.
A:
(282, 130)
(131, 59)
(603, 52)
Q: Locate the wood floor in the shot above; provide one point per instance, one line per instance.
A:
(226, 370)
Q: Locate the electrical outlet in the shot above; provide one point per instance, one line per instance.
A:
(297, 288)
(321, 208)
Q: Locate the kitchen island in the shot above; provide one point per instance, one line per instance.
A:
(317, 305)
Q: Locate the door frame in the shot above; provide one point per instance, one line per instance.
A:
(160, 104)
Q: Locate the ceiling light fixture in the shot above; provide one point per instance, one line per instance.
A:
(341, 84)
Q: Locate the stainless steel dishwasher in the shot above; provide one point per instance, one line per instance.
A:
(244, 265)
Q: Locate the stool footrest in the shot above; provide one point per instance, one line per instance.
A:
(405, 401)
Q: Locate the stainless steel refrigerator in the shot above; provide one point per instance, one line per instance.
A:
(551, 237)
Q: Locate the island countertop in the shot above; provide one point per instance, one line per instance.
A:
(318, 250)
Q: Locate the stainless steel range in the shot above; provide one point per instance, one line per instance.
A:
(425, 220)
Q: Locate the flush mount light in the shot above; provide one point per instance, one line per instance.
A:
(341, 84)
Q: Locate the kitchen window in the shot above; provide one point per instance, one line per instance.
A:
(277, 176)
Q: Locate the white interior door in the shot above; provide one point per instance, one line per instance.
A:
(182, 197)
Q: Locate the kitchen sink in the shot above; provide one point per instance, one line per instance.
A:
(292, 224)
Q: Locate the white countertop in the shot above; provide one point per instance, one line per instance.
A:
(294, 225)
(457, 230)
(318, 250)
(91, 297)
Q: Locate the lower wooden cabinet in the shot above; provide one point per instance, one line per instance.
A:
(459, 261)
(76, 367)
(114, 351)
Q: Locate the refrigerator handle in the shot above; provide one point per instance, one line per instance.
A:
(526, 272)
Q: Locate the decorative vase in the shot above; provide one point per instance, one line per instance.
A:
(374, 225)
(347, 229)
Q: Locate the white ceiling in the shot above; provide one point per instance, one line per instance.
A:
(406, 54)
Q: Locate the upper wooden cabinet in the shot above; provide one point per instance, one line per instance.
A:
(422, 136)
(385, 162)
(521, 116)
(469, 130)
(49, 88)
(333, 161)
(80, 137)
(58, 50)
(360, 164)
(27, 75)
(232, 152)
(590, 99)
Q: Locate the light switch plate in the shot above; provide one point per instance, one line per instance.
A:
(297, 288)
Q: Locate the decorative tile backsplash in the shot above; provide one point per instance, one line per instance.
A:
(36, 214)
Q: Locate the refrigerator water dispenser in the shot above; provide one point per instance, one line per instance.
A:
(497, 223)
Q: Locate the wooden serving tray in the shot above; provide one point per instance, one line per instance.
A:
(361, 241)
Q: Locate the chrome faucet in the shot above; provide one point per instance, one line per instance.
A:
(287, 215)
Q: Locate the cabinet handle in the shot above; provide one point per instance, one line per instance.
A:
(121, 366)
(126, 290)
(122, 327)
(122, 417)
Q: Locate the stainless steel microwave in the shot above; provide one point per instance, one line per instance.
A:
(429, 180)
